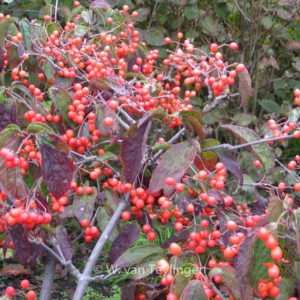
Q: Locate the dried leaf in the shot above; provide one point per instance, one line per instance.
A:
(244, 86)
(14, 270)
(133, 149)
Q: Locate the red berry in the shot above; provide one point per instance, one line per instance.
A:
(10, 291)
(25, 284)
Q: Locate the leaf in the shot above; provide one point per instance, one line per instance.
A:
(229, 279)
(207, 159)
(76, 11)
(4, 25)
(82, 207)
(210, 25)
(25, 28)
(244, 86)
(133, 149)
(62, 99)
(154, 37)
(194, 291)
(49, 69)
(14, 270)
(11, 180)
(1, 59)
(262, 152)
(143, 12)
(103, 217)
(133, 256)
(177, 237)
(243, 263)
(21, 243)
(108, 83)
(37, 127)
(191, 12)
(100, 3)
(13, 57)
(10, 131)
(231, 164)
(37, 252)
(125, 239)
(174, 163)
(286, 286)
(56, 165)
(64, 243)
(270, 106)
(80, 30)
(267, 22)
(178, 285)
(194, 118)
(275, 209)
(8, 114)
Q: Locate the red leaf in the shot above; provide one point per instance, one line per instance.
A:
(21, 243)
(127, 236)
(37, 252)
(56, 165)
(133, 149)
(174, 163)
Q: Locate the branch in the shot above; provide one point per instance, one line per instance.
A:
(229, 147)
(85, 277)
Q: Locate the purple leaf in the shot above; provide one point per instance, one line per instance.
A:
(1, 59)
(174, 163)
(64, 243)
(37, 252)
(150, 114)
(56, 165)
(127, 236)
(100, 3)
(133, 148)
(262, 152)
(231, 164)
(13, 56)
(41, 202)
(21, 243)
(129, 291)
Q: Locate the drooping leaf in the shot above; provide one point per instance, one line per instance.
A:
(4, 25)
(231, 164)
(270, 106)
(194, 291)
(62, 99)
(134, 256)
(56, 165)
(82, 207)
(126, 237)
(275, 209)
(207, 159)
(178, 285)
(133, 149)
(21, 244)
(229, 278)
(64, 243)
(11, 180)
(194, 118)
(244, 86)
(262, 151)
(104, 215)
(25, 28)
(108, 83)
(8, 114)
(174, 163)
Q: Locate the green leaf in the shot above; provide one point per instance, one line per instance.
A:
(154, 37)
(286, 286)
(103, 217)
(37, 127)
(52, 27)
(294, 114)
(178, 285)
(194, 291)
(267, 22)
(275, 209)
(25, 28)
(4, 25)
(195, 120)
(161, 146)
(144, 12)
(270, 106)
(135, 255)
(174, 163)
(75, 12)
(80, 30)
(262, 152)
(62, 100)
(191, 12)
(87, 15)
(49, 69)
(229, 279)
(8, 132)
(210, 26)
